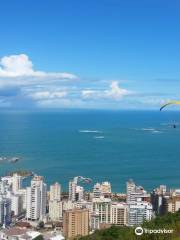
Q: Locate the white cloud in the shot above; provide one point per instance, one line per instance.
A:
(22, 85)
(21, 66)
(48, 95)
(114, 92)
(89, 93)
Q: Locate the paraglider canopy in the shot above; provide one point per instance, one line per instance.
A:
(169, 103)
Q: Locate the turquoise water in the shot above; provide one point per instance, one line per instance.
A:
(122, 145)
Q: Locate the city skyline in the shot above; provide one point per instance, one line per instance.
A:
(103, 55)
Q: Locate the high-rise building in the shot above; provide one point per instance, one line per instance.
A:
(55, 192)
(16, 183)
(79, 195)
(103, 189)
(119, 214)
(5, 211)
(16, 204)
(97, 191)
(4, 187)
(55, 210)
(55, 204)
(139, 212)
(76, 192)
(36, 199)
(72, 190)
(102, 206)
(23, 193)
(75, 223)
(106, 187)
(130, 188)
(94, 221)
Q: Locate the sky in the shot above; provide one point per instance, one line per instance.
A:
(105, 54)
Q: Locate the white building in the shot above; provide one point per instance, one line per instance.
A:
(16, 182)
(79, 195)
(76, 192)
(55, 204)
(97, 191)
(130, 188)
(94, 221)
(102, 207)
(55, 192)
(68, 205)
(139, 212)
(72, 190)
(36, 199)
(55, 210)
(16, 204)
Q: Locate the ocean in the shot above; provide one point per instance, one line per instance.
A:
(102, 145)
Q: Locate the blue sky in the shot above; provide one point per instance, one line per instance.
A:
(89, 54)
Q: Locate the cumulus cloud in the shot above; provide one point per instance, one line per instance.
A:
(114, 92)
(21, 66)
(22, 85)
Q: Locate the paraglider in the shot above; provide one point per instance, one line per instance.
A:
(169, 103)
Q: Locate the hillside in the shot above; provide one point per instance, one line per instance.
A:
(169, 221)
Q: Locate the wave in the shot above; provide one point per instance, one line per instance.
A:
(156, 131)
(89, 131)
(152, 130)
(99, 137)
(148, 129)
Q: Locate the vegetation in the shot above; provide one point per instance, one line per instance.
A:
(41, 224)
(23, 173)
(40, 237)
(169, 221)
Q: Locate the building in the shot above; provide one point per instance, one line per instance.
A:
(130, 188)
(119, 214)
(102, 207)
(23, 193)
(16, 204)
(97, 191)
(68, 205)
(76, 192)
(139, 212)
(16, 183)
(103, 189)
(53, 236)
(79, 195)
(164, 201)
(171, 202)
(55, 204)
(72, 190)
(36, 199)
(106, 187)
(55, 210)
(136, 193)
(157, 199)
(75, 223)
(18, 233)
(55, 192)
(5, 211)
(94, 221)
